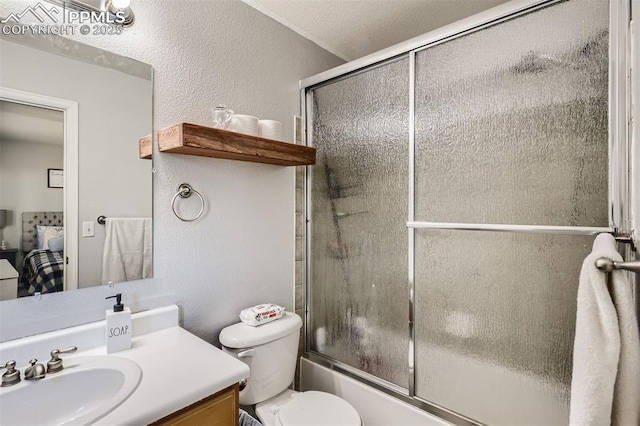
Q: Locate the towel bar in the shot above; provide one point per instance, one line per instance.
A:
(605, 264)
(102, 219)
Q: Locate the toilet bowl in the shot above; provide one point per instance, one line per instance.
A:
(270, 351)
(309, 408)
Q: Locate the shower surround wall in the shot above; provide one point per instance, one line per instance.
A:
(503, 127)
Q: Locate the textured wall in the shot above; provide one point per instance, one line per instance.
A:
(241, 251)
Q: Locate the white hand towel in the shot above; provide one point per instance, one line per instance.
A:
(605, 388)
(127, 250)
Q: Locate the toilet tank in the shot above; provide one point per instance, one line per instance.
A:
(270, 351)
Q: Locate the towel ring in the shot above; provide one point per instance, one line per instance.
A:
(184, 191)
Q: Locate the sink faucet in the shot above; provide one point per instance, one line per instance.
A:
(12, 376)
(55, 363)
(35, 371)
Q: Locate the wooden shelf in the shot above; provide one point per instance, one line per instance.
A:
(144, 146)
(192, 139)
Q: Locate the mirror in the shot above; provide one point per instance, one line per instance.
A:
(72, 116)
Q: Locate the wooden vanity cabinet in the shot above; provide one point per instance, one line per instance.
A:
(219, 409)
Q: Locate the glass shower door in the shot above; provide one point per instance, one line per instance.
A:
(358, 209)
(511, 129)
(493, 145)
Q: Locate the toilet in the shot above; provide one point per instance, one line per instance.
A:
(270, 351)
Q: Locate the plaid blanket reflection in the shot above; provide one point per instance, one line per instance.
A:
(42, 271)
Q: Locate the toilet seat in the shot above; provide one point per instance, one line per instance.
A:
(314, 408)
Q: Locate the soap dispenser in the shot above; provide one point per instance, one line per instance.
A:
(118, 326)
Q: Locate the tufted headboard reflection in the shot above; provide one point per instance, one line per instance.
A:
(29, 222)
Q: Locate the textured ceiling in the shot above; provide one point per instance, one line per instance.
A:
(351, 29)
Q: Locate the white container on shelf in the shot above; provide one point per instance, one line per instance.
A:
(270, 129)
(246, 124)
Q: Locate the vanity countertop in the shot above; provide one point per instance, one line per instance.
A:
(178, 369)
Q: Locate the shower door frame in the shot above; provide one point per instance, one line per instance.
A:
(623, 200)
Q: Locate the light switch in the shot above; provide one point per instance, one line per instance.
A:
(88, 229)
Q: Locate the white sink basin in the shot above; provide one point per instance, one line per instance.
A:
(87, 389)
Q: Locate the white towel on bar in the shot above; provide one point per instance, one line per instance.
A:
(605, 388)
(127, 250)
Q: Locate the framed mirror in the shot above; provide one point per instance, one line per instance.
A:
(75, 194)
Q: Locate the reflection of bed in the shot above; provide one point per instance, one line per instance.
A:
(42, 269)
(42, 272)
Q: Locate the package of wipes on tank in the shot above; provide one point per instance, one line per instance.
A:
(261, 314)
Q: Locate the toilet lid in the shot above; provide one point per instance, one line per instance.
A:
(318, 409)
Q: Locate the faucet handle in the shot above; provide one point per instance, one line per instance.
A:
(55, 363)
(35, 371)
(11, 376)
